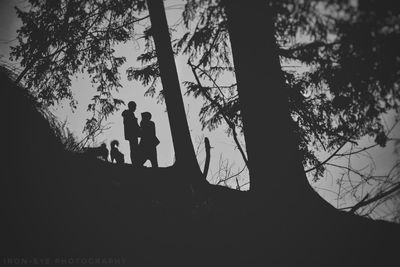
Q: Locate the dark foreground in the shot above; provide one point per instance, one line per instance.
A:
(57, 206)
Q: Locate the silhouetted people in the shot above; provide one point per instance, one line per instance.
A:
(95, 152)
(148, 141)
(115, 154)
(131, 129)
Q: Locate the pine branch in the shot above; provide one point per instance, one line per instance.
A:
(231, 125)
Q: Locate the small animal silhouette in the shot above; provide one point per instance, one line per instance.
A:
(95, 152)
(115, 153)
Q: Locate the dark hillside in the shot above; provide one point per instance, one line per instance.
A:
(59, 204)
(56, 203)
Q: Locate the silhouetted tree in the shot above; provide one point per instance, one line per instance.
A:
(298, 230)
(320, 93)
(278, 181)
(347, 76)
(329, 106)
(183, 147)
(59, 39)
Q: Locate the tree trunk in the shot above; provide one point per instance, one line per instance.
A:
(270, 143)
(184, 151)
(296, 226)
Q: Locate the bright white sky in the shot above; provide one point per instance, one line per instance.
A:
(222, 145)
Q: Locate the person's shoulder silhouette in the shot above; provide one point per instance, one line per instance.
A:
(125, 113)
(130, 112)
(128, 115)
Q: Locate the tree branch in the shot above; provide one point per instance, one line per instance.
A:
(231, 125)
(208, 156)
(365, 201)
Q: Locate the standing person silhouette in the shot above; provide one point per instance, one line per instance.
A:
(148, 141)
(131, 129)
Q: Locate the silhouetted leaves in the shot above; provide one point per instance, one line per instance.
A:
(61, 38)
(346, 51)
(347, 75)
(381, 139)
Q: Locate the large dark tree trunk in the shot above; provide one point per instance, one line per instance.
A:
(184, 152)
(269, 140)
(297, 226)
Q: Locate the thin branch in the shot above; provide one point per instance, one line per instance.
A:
(327, 159)
(208, 156)
(365, 201)
(233, 176)
(231, 125)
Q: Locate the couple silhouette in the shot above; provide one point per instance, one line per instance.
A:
(147, 148)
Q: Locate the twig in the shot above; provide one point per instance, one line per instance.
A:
(230, 124)
(365, 201)
(208, 155)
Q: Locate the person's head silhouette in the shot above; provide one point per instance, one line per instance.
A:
(146, 116)
(132, 106)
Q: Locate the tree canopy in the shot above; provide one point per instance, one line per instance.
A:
(346, 77)
(59, 39)
(346, 52)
